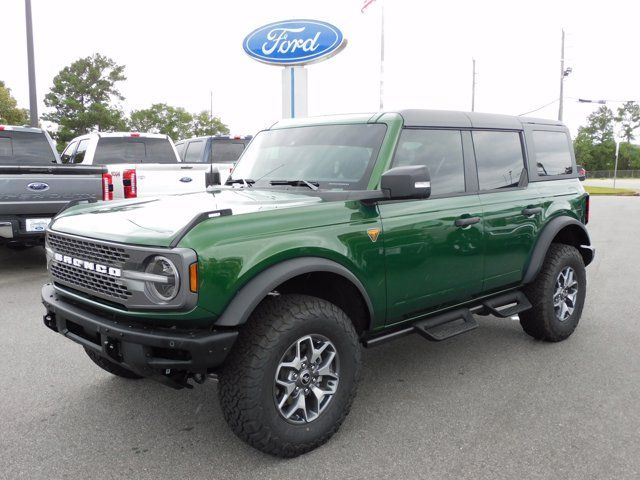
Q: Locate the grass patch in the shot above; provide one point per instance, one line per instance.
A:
(609, 191)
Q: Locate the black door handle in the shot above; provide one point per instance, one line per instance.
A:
(531, 211)
(465, 222)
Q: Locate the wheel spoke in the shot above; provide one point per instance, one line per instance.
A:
(326, 369)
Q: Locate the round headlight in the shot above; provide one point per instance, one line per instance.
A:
(165, 289)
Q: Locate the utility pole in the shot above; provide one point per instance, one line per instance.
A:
(562, 75)
(211, 105)
(33, 98)
(381, 56)
(473, 87)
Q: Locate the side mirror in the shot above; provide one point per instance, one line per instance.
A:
(412, 182)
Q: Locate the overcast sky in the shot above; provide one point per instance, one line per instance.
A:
(177, 52)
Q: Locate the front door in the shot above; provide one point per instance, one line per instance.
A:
(433, 247)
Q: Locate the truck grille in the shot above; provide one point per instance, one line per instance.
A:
(95, 282)
(87, 250)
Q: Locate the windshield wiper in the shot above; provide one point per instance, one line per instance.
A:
(296, 183)
(247, 182)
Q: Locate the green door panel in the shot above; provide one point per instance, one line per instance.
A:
(509, 234)
(430, 261)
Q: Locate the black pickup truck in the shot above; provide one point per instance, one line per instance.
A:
(34, 187)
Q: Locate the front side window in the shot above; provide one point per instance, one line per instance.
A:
(553, 156)
(440, 151)
(67, 155)
(335, 157)
(500, 159)
(82, 149)
(194, 152)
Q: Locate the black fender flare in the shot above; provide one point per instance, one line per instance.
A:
(251, 294)
(549, 232)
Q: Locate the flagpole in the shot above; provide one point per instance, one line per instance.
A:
(382, 56)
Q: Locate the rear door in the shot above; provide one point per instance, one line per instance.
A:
(433, 247)
(510, 204)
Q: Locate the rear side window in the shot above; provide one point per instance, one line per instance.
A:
(226, 152)
(440, 151)
(134, 150)
(25, 148)
(193, 153)
(500, 159)
(553, 156)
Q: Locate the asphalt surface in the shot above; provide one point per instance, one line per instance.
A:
(492, 403)
(630, 183)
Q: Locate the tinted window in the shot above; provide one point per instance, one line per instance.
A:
(25, 148)
(194, 152)
(553, 156)
(440, 151)
(134, 150)
(225, 152)
(67, 155)
(82, 149)
(338, 157)
(180, 149)
(499, 157)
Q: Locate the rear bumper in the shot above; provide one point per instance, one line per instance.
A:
(13, 230)
(147, 351)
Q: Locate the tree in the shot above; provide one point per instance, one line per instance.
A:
(9, 111)
(203, 125)
(83, 98)
(595, 144)
(628, 116)
(601, 125)
(163, 118)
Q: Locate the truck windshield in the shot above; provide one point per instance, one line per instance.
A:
(25, 148)
(134, 150)
(338, 157)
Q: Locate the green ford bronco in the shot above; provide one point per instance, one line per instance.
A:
(332, 233)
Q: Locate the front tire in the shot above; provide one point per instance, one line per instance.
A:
(291, 378)
(557, 295)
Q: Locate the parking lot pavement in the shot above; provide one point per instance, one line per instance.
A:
(490, 404)
(630, 183)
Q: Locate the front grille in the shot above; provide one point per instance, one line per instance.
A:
(93, 281)
(87, 250)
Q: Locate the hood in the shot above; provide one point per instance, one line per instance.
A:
(156, 221)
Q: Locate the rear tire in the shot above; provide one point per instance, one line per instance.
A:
(557, 295)
(111, 367)
(290, 343)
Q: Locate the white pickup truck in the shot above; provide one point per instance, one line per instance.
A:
(138, 164)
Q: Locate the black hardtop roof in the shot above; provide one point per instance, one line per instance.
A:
(452, 118)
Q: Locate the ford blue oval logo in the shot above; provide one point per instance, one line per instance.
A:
(294, 42)
(38, 186)
(185, 179)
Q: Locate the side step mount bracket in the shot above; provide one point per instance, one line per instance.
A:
(447, 325)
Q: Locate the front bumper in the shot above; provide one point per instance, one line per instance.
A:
(145, 350)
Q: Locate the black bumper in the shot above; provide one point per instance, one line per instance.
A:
(146, 351)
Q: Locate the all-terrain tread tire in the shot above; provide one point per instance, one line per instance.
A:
(246, 379)
(540, 321)
(111, 367)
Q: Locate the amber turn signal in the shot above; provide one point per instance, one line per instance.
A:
(193, 277)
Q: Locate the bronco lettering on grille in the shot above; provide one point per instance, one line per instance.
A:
(94, 267)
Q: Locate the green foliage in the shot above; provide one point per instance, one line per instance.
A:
(595, 144)
(629, 118)
(10, 114)
(202, 125)
(175, 122)
(83, 98)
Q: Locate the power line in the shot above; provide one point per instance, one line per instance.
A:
(540, 108)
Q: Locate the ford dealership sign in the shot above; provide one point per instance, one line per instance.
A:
(294, 42)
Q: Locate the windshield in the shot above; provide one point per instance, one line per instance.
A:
(134, 150)
(25, 148)
(338, 157)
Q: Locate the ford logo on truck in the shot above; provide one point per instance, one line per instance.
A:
(38, 186)
(86, 265)
(294, 42)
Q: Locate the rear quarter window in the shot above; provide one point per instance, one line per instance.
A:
(134, 150)
(552, 153)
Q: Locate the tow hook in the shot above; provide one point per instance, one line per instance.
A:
(50, 321)
(112, 348)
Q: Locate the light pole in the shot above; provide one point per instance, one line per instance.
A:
(564, 72)
(33, 98)
(615, 168)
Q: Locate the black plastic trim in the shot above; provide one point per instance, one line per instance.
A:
(201, 217)
(249, 296)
